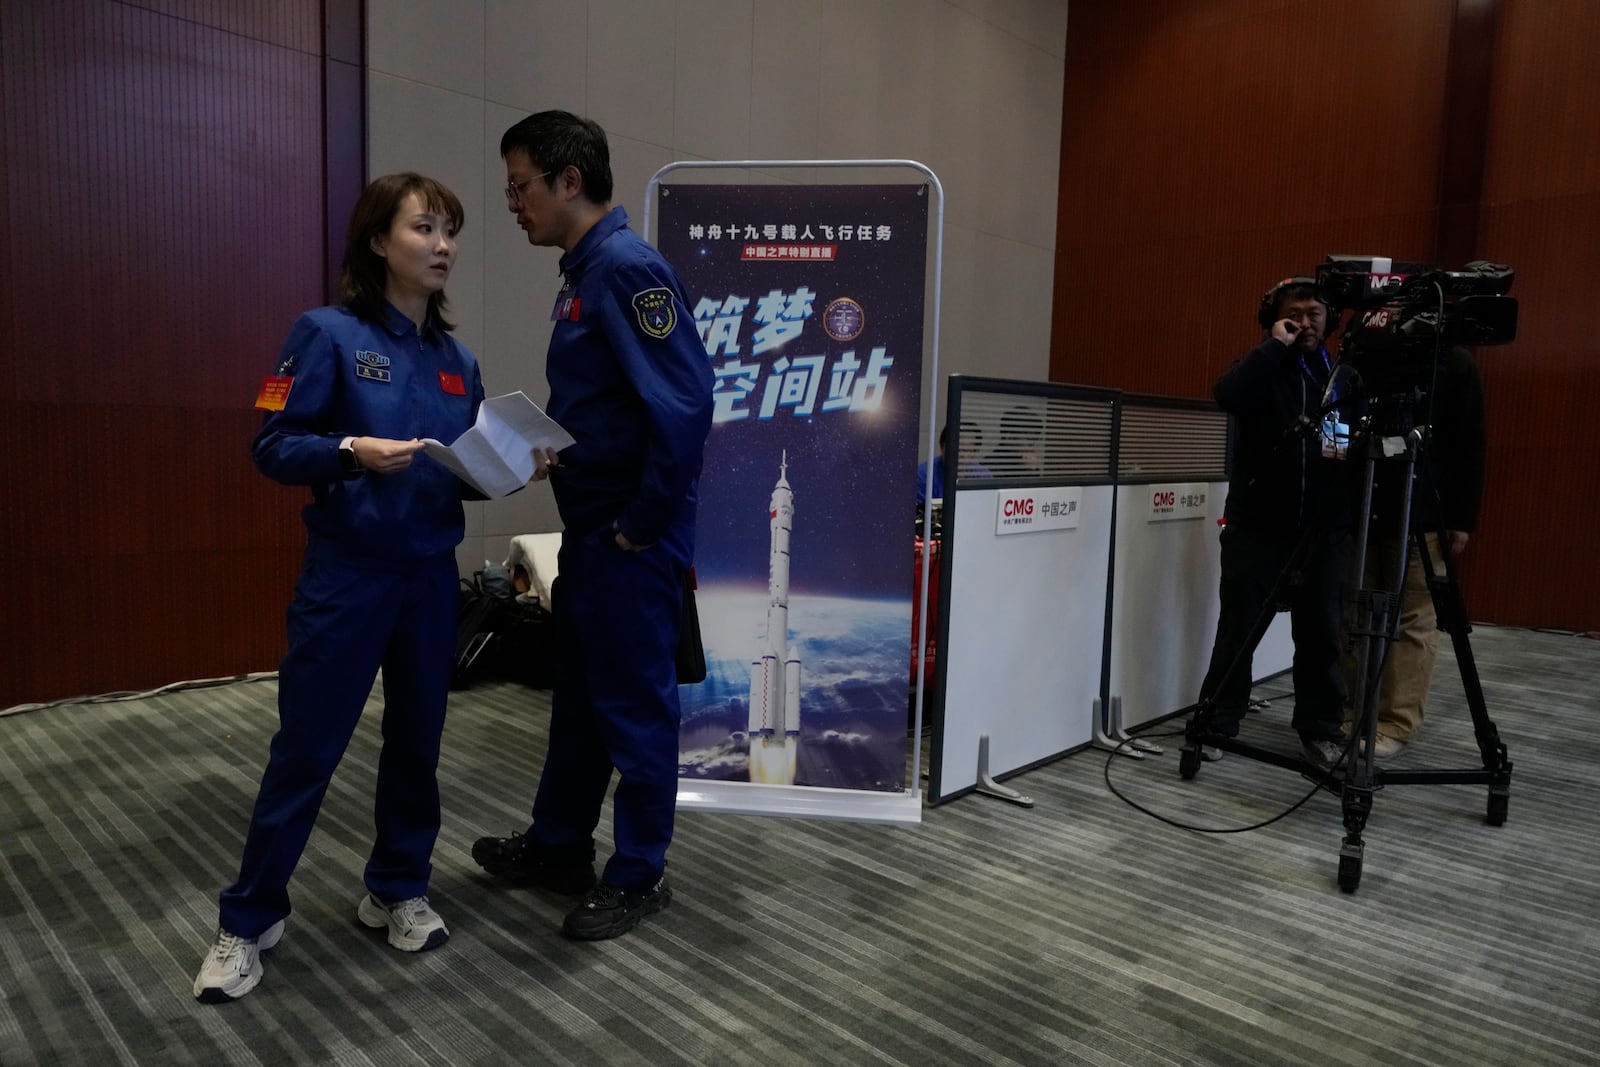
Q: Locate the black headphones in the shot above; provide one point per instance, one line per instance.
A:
(1267, 312)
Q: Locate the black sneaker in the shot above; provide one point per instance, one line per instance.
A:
(611, 912)
(1322, 753)
(517, 861)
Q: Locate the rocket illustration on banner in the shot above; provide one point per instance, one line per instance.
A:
(775, 672)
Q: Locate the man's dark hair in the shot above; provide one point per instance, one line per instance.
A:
(1296, 288)
(1296, 292)
(364, 274)
(556, 140)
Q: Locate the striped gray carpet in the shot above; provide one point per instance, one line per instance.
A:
(1077, 932)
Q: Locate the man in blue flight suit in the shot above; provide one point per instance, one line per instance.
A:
(630, 380)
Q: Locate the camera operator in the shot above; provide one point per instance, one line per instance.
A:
(1287, 481)
(1448, 486)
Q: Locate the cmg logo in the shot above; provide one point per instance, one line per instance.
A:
(1164, 498)
(1015, 508)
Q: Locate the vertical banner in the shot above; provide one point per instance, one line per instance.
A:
(810, 302)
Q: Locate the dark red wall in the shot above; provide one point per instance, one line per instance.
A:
(1210, 147)
(1541, 213)
(165, 182)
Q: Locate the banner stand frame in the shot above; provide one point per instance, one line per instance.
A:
(905, 806)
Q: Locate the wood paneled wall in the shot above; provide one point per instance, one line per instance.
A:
(1535, 563)
(164, 190)
(1210, 147)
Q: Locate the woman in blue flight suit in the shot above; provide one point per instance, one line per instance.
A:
(357, 386)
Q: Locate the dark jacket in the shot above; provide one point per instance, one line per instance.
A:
(1278, 480)
(1449, 481)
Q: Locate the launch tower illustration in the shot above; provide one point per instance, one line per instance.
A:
(775, 672)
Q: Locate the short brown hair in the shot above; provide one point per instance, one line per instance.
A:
(364, 274)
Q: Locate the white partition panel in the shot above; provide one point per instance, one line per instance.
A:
(1026, 616)
(1164, 598)
(1172, 488)
(1275, 653)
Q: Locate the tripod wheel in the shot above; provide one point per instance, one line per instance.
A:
(1498, 803)
(1189, 762)
(1349, 873)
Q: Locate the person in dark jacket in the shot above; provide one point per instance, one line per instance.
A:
(1445, 498)
(357, 386)
(630, 380)
(1289, 480)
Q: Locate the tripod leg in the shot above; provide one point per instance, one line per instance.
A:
(1357, 803)
(1452, 613)
(1373, 612)
(1194, 733)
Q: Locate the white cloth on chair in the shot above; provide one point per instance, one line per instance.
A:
(536, 554)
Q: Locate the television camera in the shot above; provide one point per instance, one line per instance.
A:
(1403, 313)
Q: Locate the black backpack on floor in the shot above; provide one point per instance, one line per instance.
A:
(500, 636)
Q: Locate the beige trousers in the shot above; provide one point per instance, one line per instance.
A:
(1403, 690)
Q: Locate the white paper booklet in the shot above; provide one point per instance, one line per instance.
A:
(495, 457)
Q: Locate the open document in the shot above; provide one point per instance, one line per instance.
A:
(495, 457)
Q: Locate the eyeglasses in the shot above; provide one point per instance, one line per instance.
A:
(514, 189)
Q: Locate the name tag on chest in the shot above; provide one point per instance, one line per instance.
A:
(568, 305)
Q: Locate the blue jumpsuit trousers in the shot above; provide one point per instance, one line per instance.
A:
(350, 615)
(615, 702)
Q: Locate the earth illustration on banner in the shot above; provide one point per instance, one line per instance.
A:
(854, 678)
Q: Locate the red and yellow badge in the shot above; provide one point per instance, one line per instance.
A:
(655, 311)
(274, 392)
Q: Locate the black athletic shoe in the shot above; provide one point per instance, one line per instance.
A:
(611, 912)
(1322, 753)
(517, 861)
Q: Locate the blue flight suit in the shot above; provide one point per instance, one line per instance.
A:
(630, 380)
(970, 470)
(922, 480)
(379, 587)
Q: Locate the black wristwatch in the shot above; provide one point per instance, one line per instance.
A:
(348, 461)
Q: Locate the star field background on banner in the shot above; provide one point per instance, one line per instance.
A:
(810, 302)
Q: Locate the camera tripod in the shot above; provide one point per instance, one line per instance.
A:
(1372, 618)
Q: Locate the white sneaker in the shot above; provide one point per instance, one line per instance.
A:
(233, 966)
(413, 925)
(1387, 748)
